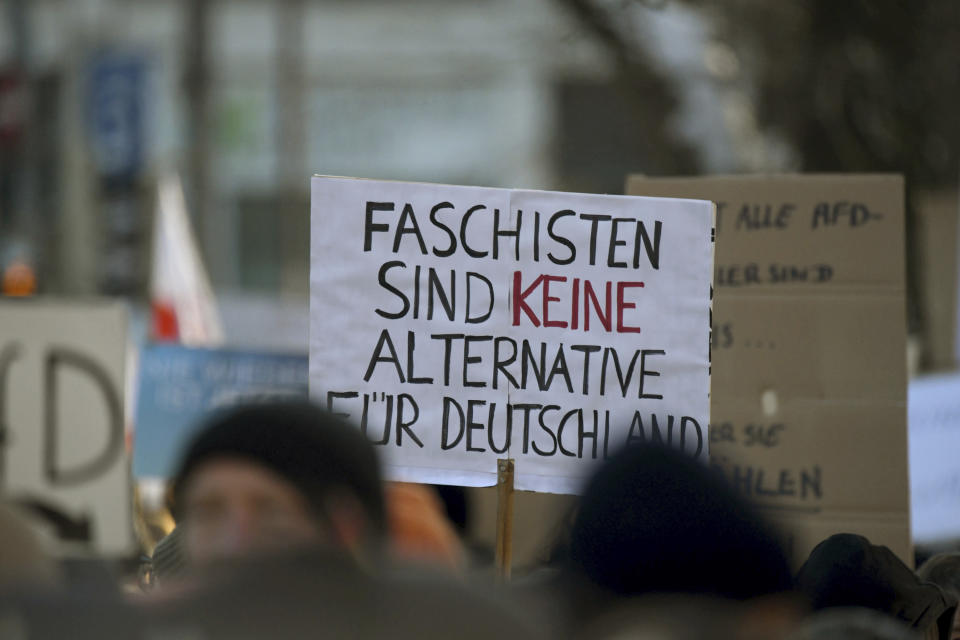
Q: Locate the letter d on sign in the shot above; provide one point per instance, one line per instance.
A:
(58, 357)
(445, 428)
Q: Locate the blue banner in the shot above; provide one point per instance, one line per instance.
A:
(179, 386)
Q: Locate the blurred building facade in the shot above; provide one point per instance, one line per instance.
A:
(246, 99)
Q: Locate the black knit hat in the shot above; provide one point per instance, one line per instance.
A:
(845, 570)
(653, 519)
(314, 450)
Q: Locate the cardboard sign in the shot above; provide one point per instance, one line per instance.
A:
(459, 325)
(180, 385)
(61, 409)
(809, 385)
(934, 409)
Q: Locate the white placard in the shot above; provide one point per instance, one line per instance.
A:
(459, 325)
(61, 408)
(934, 426)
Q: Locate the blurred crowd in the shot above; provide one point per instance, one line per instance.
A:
(286, 528)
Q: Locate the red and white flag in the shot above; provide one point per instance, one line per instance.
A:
(182, 306)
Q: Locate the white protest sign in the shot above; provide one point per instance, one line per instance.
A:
(934, 427)
(459, 325)
(61, 411)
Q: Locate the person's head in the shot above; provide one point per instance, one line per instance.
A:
(845, 570)
(420, 531)
(24, 563)
(653, 519)
(694, 617)
(853, 623)
(943, 570)
(273, 477)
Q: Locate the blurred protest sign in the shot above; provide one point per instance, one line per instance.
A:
(117, 84)
(459, 325)
(809, 349)
(179, 385)
(61, 413)
(934, 410)
(116, 101)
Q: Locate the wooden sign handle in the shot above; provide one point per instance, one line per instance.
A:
(504, 544)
